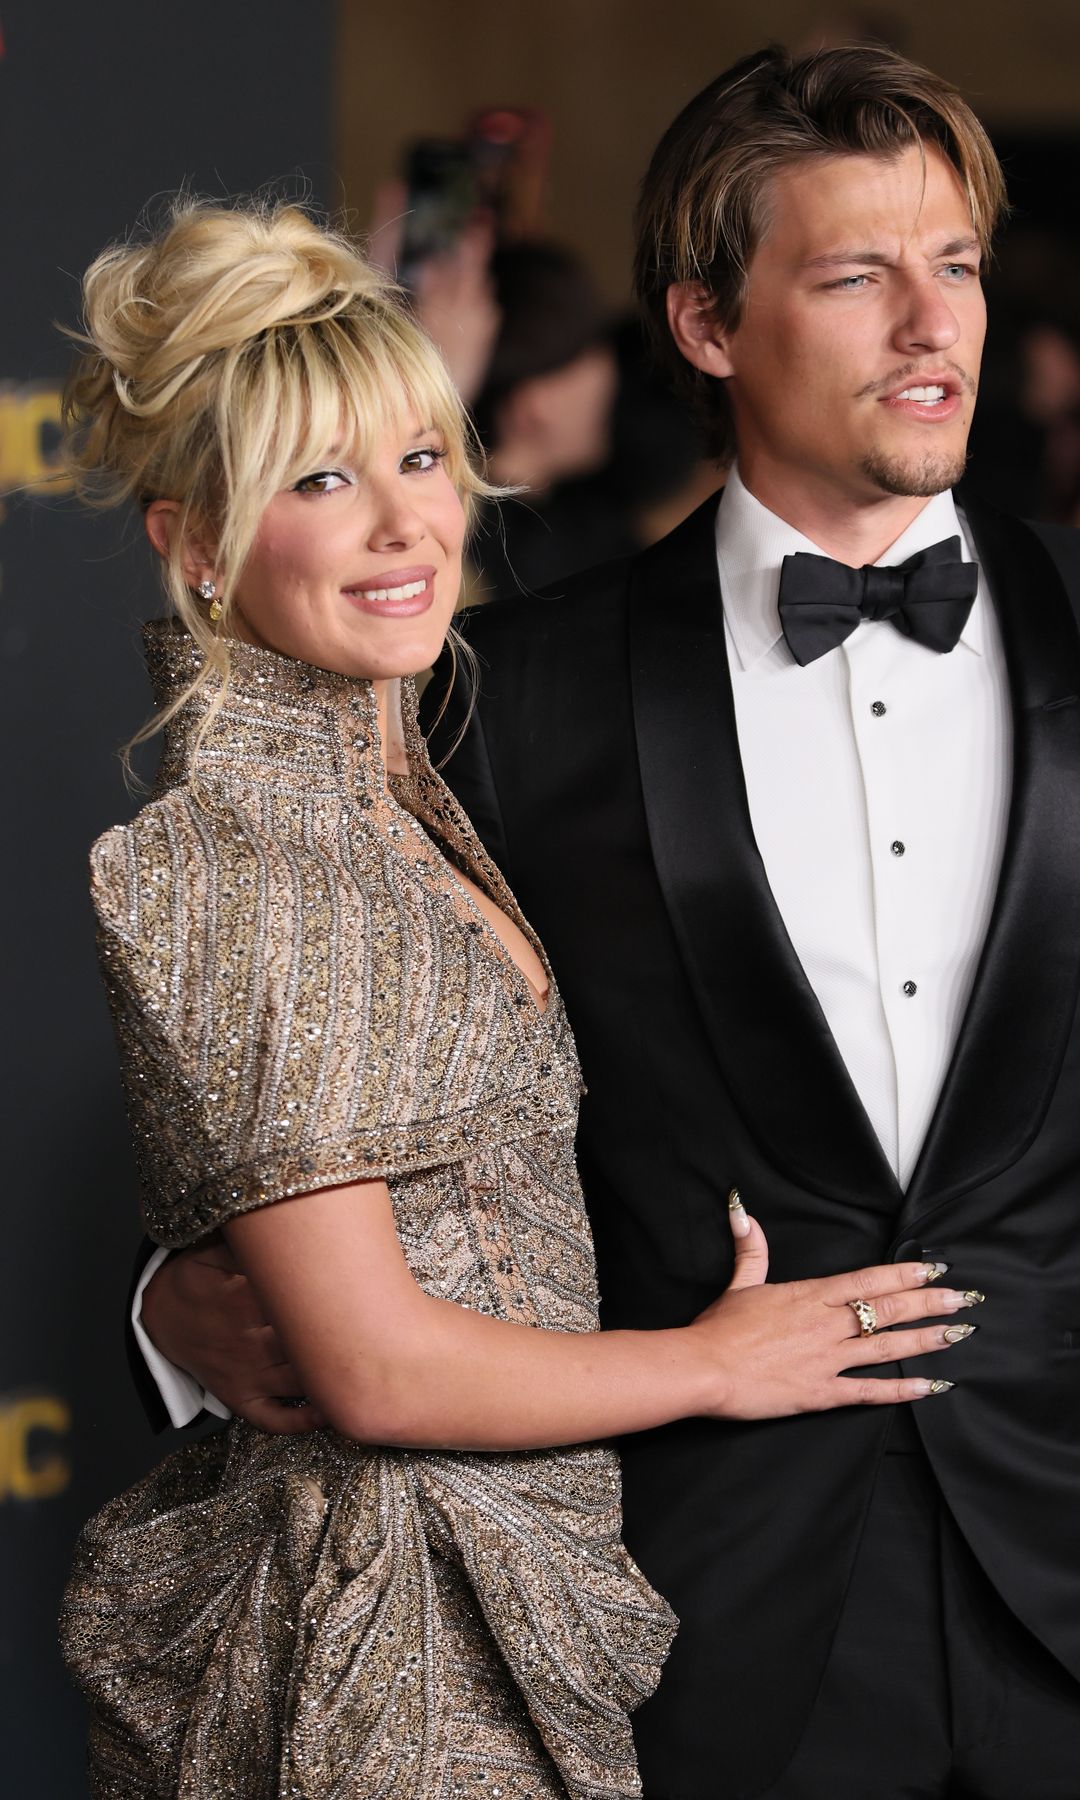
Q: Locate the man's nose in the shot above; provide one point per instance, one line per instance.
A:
(927, 321)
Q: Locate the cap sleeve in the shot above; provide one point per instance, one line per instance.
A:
(289, 1018)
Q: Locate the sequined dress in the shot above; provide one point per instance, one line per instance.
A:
(303, 996)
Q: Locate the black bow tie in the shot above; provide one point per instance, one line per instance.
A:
(928, 598)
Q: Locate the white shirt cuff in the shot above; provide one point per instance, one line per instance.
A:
(181, 1394)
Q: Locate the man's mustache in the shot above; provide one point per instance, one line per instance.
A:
(909, 375)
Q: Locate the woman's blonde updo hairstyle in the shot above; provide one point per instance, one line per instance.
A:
(223, 357)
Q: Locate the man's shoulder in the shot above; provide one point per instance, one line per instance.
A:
(593, 603)
(591, 600)
(1063, 543)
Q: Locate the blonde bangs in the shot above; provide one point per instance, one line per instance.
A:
(226, 356)
(305, 392)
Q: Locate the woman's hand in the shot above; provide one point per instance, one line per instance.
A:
(201, 1313)
(386, 1363)
(780, 1348)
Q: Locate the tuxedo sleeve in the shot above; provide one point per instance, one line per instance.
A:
(451, 716)
(169, 1395)
(146, 1387)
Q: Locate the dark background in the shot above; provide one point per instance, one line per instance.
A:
(102, 107)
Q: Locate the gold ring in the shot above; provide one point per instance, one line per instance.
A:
(866, 1315)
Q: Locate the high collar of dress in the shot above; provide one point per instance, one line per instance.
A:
(282, 722)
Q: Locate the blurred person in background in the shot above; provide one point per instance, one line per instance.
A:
(528, 343)
(572, 413)
(1050, 396)
(793, 796)
(545, 412)
(1025, 440)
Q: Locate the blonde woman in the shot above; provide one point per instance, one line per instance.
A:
(344, 1051)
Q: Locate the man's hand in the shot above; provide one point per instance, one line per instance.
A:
(202, 1314)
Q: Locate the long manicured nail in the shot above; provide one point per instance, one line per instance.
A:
(933, 1271)
(955, 1334)
(953, 1300)
(740, 1224)
(926, 1388)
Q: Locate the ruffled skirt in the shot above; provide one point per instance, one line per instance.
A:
(302, 1618)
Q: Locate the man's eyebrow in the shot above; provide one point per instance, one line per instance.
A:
(834, 258)
(879, 259)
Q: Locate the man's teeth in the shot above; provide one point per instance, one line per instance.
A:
(408, 592)
(925, 395)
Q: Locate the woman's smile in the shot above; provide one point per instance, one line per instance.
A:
(397, 593)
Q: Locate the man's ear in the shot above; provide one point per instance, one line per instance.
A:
(162, 518)
(696, 330)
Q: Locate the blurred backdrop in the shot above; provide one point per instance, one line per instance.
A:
(493, 153)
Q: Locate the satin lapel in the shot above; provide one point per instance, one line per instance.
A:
(1023, 1001)
(775, 1049)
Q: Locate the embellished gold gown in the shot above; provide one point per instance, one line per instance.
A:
(304, 996)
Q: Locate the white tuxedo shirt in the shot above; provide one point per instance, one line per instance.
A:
(878, 780)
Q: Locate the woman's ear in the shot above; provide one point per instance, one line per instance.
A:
(162, 521)
(696, 330)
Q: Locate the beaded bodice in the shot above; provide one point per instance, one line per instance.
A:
(303, 992)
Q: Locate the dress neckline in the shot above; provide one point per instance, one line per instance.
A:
(293, 730)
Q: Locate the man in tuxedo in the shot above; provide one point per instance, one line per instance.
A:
(793, 799)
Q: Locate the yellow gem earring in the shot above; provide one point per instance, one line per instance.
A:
(206, 591)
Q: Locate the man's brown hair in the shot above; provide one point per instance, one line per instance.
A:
(703, 207)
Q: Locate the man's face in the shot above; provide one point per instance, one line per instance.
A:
(853, 370)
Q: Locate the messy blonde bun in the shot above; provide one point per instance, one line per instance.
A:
(222, 357)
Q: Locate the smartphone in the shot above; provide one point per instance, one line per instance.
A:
(497, 167)
(442, 197)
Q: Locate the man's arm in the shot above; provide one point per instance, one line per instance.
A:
(201, 1343)
(147, 1385)
(170, 1396)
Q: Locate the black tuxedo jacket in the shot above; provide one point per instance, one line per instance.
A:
(601, 767)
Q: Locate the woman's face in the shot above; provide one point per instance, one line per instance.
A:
(358, 569)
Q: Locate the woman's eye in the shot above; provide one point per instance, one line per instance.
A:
(324, 481)
(419, 462)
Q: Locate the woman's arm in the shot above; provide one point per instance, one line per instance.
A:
(386, 1363)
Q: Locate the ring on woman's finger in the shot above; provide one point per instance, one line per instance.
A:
(866, 1315)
